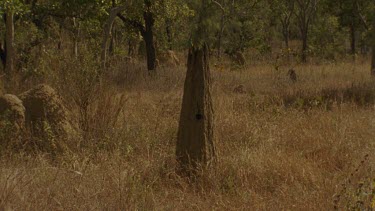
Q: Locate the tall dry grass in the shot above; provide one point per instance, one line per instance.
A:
(273, 155)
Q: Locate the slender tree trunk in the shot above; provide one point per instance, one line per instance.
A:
(107, 32)
(112, 44)
(9, 43)
(373, 60)
(220, 37)
(286, 36)
(2, 54)
(286, 40)
(373, 52)
(168, 30)
(195, 140)
(364, 48)
(59, 44)
(131, 47)
(304, 45)
(75, 37)
(353, 40)
(148, 36)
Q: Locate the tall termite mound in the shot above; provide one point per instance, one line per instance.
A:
(195, 140)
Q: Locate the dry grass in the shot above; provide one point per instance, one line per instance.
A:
(271, 156)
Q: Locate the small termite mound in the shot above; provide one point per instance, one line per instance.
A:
(240, 89)
(292, 75)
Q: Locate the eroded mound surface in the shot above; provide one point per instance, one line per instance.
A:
(44, 105)
(36, 120)
(12, 121)
(12, 110)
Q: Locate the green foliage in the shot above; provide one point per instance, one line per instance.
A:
(15, 6)
(241, 25)
(326, 38)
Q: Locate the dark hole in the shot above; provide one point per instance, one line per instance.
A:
(199, 116)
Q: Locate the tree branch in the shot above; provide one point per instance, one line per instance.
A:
(132, 23)
(362, 17)
(219, 5)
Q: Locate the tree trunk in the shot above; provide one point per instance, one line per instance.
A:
(195, 142)
(9, 43)
(2, 54)
(373, 48)
(220, 37)
(373, 60)
(286, 36)
(112, 44)
(304, 46)
(75, 37)
(59, 44)
(352, 39)
(169, 35)
(131, 47)
(107, 33)
(148, 36)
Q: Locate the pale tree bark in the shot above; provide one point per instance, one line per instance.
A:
(76, 37)
(9, 43)
(107, 32)
(195, 142)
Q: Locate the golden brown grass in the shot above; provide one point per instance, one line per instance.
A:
(271, 157)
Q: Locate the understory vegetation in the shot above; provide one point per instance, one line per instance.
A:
(281, 145)
(187, 105)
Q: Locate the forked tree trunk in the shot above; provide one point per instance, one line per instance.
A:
(195, 142)
(9, 43)
(107, 33)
